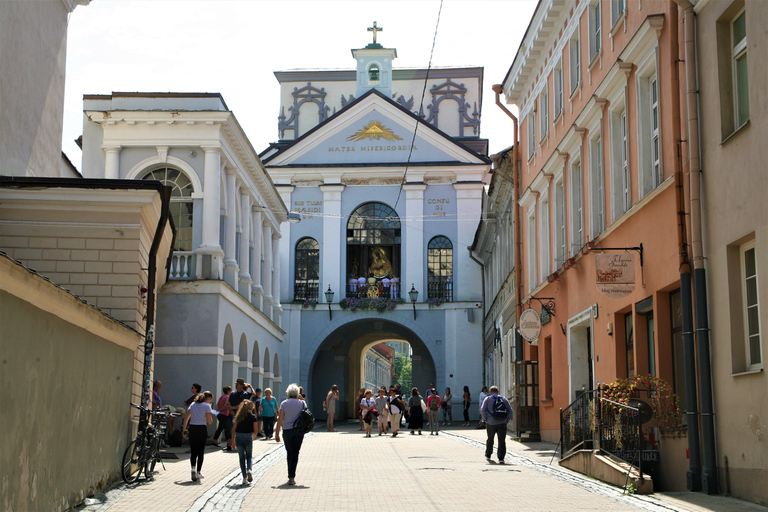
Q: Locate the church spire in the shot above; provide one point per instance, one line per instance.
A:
(374, 66)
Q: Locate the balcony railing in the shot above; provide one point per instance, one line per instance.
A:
(306, 289)
(373, 289)
(182, 266)
(442, 290)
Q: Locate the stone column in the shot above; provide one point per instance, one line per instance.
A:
(267, 269)
(466, 273)
(277, 308)
(209, 263)
(330, 259)
(286, 249)
(256, 290)
(244, 283)
(415, 255)
(230, 239)
(112, 163)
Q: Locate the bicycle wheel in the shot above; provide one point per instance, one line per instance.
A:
(152, 456)
(132, 463)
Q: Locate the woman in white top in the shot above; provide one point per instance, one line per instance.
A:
(199, 414)
(289, 412)
(446, 405)
(366, 404)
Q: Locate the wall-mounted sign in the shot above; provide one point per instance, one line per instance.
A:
(530, 325)
(615, 274)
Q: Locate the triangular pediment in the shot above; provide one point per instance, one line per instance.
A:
(374, 130)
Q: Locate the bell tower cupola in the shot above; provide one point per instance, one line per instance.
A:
(374, 66)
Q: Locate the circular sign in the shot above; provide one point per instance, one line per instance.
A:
(530, 325)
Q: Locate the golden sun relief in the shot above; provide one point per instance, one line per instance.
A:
(374, 131)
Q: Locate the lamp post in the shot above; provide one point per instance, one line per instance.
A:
(414, 295)
(329, 299)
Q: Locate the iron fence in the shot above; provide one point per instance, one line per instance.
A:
(578, 423)
(306, 290)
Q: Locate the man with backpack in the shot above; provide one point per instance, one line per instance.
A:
(496, 413)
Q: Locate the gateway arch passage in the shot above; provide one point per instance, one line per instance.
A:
(340, 360)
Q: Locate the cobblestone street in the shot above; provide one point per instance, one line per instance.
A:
(344, 471)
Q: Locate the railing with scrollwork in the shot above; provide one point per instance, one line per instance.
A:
(377, 289)
(591, 422)
(306, 289)
(440, 289)
(578, 424)
(182, 266)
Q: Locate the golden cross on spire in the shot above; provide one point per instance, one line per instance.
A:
(374, 29)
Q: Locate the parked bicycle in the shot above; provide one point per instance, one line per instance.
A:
(143, 453)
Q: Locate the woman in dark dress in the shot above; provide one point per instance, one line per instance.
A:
(415, 413)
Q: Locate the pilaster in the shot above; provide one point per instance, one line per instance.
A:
(257, 292)
(466, 273)
(244, 281)
(286, 251)
(267, 269)
(209, 265)
(330, 261)
(415, 256)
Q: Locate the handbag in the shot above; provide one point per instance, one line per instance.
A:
(423, 406)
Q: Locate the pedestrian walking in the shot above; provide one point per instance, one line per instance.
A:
(466, 403)
(268, 413)
(382, 405)
(396, 408)
(290, 409)
(415, 411)
(496, 413)
(224, 418)
(367, 407)
(433, 411)
(244, 431)
(447, 406)
(330, 406)
(199, 414)
(196, 389)
(358, 412)
(243, 391)
(483, 395)
(256, 399)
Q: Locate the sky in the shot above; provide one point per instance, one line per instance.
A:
(234, 46)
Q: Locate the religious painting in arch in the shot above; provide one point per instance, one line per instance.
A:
(373, 252)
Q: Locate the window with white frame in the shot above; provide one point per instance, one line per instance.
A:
(544, 235)
(544, 113)
(625, 191)
(618, 8)
(595, 29)
(620, 192)
(650, 174)
(577, 208)
(561, 239)
(739, 68)
(597, 201)
(655, 143)
(532, 132)
(532, 281)
(575, 54)
(751, 306)
(558, 84)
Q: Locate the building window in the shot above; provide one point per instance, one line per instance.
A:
(561, 239)
(618, 9)
(544, 109)
(595, 30)
(575, 60)
(655, 150)
(544, 236)
(577, 209)
(558, 83)
(739, 67)
(620, 192)
(440, 269)
(751, 306)
(651, 338)
(532, 132)
(373, 248)
(307, 271)
(181, 203)
(597, 203)
(629, 339)
(678, 352)
(650, 173)
(532, 281)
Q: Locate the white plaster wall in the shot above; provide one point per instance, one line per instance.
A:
(33, 46)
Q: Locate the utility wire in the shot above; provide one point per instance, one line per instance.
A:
(421, 105)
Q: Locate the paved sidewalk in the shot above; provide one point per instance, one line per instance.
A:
(344, 472)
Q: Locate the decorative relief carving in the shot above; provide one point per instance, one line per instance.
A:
(308, 93)
(450, 90)
(371, 181)
(434, 180)
(306, 183)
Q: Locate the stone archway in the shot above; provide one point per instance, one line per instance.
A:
(337, 360)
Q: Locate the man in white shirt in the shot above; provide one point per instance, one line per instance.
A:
(396, 406)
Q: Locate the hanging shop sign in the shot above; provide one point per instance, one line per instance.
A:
(615, 274)
(530, 325)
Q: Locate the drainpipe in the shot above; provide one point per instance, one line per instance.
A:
(165, 197)
(482, 311)
(516, 174)
(708, 479)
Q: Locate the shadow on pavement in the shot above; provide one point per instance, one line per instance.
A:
(187, 483)
(290, 487)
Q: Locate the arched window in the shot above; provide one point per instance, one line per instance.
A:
(307, 270)
(181, 203)
(440, 268)
(373, 251)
